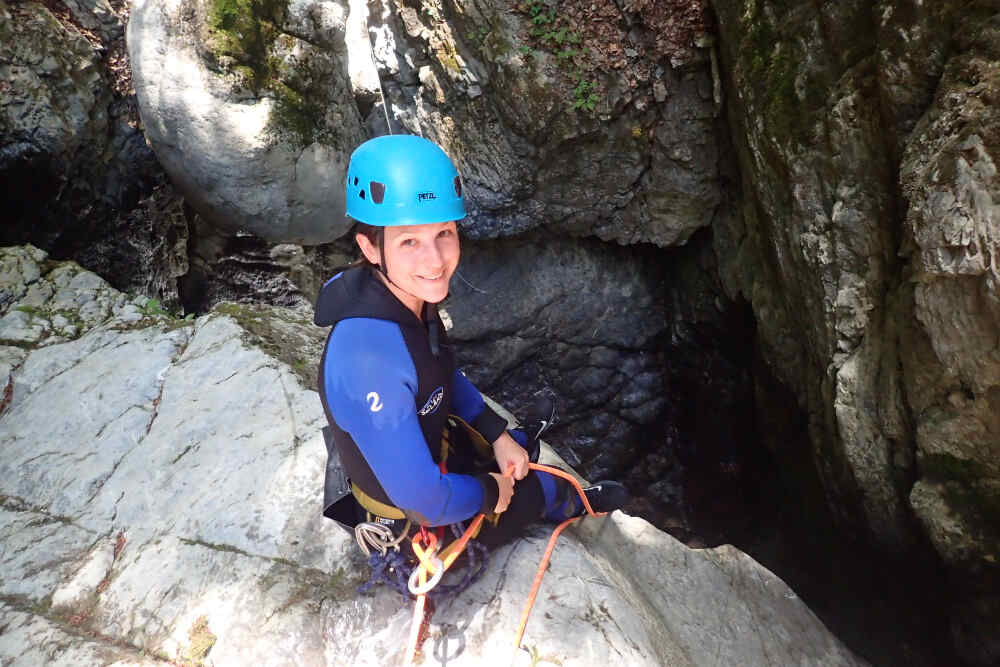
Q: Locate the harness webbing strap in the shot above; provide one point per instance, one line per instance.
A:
(376, 507)
(386, 511)
(484, 448)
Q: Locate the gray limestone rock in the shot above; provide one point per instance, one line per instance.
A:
(54, 306)
(32, 639)
(53, 98)
(71, 152)
(865, 242)
(256, 136)
(551, 122)
(161, 491)
(582, 323)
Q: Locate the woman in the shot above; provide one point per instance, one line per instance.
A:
(388, 380)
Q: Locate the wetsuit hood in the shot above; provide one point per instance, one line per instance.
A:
(357, 292)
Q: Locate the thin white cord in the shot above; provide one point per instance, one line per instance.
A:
(459, 274)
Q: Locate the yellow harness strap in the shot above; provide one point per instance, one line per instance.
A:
(387, 511)
(376, 507)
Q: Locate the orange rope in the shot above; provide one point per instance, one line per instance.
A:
(455, 549)
(543, 565)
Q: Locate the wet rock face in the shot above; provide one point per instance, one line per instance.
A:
(867, 143)
(579, 320)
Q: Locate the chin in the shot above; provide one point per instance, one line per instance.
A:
(436, 297)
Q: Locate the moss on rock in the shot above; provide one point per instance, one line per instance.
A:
(967, 490)
(247, 38)
(284, 334)
(245, 31)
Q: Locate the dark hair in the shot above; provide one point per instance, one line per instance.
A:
(372, 234)
(368, 231)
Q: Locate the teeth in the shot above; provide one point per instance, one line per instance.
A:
(434, 277)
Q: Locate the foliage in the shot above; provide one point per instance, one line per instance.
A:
(244, 31)
(152, 308)
(478, 36)
(584, 95)
(551, 31)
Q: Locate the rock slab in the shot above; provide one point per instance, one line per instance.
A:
(161, 492)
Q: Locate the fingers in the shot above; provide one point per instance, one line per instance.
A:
(506, 486)
(509, 453)
(521, 466)
(517, 467)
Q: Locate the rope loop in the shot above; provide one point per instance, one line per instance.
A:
(423, 589)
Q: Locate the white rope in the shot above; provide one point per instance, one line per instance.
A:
(459, 274)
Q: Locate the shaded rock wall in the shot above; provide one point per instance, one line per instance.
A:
(500, 89)
(866, 141)
(71, 151)
(558, 316)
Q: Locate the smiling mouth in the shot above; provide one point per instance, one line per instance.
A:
(435, 277)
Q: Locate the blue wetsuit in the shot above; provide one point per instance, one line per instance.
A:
(388, 383)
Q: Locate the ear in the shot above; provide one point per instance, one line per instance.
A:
(368, 248)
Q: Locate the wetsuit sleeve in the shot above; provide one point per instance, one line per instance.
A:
(370, 388)
(468, 403)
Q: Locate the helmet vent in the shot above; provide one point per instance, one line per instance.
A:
(362, 194)
(458, 186)
(378, 191)
(355, 180)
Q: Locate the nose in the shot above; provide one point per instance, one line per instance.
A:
(433, 257)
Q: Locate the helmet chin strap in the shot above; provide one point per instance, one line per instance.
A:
(383, 267)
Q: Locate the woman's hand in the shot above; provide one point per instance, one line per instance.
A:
(506, 486)
(508, 453)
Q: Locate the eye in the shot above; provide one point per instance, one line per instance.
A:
(408, 243)
(446, 233)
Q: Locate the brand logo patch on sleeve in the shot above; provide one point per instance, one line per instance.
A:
(433, 402)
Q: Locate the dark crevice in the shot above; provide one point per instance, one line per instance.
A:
(733, 463)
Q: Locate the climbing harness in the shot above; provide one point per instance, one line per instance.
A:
(435, 564)
(390, 566)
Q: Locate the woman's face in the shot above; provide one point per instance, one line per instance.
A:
(421, 260)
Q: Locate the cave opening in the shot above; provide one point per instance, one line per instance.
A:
(735, 466)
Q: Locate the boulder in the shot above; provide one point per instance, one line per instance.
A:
(249, 110)
(178, 464)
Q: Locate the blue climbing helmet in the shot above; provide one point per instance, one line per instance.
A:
(403, 180)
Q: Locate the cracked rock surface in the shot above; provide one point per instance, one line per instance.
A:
(868, 144)
(161, 490)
